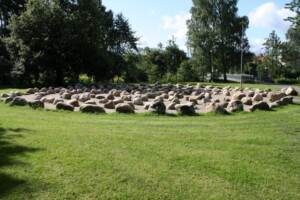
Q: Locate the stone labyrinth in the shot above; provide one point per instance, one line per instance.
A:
(159, 99)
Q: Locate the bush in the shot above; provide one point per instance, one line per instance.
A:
(85, 79)
(287, 81)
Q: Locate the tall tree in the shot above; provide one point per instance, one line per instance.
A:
(273, 51)
(215, 32)
(295, 7)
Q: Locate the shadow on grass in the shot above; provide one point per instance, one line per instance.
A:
(7, 151)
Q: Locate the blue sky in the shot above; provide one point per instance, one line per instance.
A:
(158, 20)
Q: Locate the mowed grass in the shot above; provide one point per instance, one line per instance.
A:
(63, 155)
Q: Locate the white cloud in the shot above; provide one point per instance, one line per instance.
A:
(256, 46)
(177, 23)
(268, 15)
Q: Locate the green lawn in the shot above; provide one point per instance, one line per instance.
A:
(63, 155)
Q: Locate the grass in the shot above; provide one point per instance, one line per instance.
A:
(63, 155)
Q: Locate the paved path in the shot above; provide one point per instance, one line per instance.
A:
(279, 85)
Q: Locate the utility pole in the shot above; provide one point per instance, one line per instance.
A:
(242, 54)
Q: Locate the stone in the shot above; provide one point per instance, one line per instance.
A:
(124, 108)
(137, 101)
(103, 101)
(235, 105)
(171, 106)
(199, 86)
(247, 101)
(91, 102)
(250, 94)
(175, 100)
(110, 97)
(30, 91)
(64, 106)
(8, 100)
(151, 95)
(178, 85)
(73, 102)
(287, 100)
(238, 96)
(75, 96)
(144, 98)
(84, 97)
(126, 98)
(117, 101)
(110, 105)
(117, 93)
(193, 100)
(159, 98)
(207, 95)
(146, 106)
(185, 109)
(157, 107)
(206, 100)
(260, 106)
(19, 101)
(291, 92)
(215, 107)
(58, 100)
(275, 96)
(100, 97)
(91, 109)
(36, 104)
(258, 97)
(66, 95)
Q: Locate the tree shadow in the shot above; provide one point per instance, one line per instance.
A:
(7, 151)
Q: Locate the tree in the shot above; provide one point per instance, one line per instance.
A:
(295, 7)
(272, 53)
(215, 32)
(173, 57)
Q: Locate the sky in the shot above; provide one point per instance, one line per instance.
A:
(157, 21)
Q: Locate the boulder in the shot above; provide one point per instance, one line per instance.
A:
(238, 96)
(250, 94)
(73, 102)
(8, 100)
(157, 107)
(159, 98)
(66, 95)
(206, 100)
(291, 92)
(90, 102)
(75, 96)
(247, 101)
(199, 85)
(103, 101)
(144, 98)
(147, 105)
(287, 100)
(171, 106)
(64, 106)
(58, 100)
(19, 101)
(110, 105)
(235, 105)
(275, 96)
(258, 97)
(36, 104)
(84, 97)
(110, 97)
(30, 91)
(185, 109)
(126, 98)
(117, 101)
(260, 106)
(215, 107)
(137, 101)
(124, 108)
(100, 97)
(91, 109)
